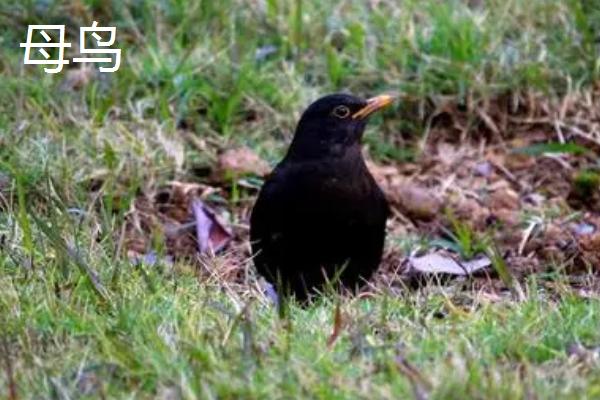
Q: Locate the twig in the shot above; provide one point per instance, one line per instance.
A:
(579, 133)
(509, 175)
(526, 236)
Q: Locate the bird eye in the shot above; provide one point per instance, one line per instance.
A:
(341, 111)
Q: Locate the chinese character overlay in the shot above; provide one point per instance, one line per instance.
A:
(94, 29)
(59, 61)
(102, 47)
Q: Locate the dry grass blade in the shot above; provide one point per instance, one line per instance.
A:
(338, 325)
(10, 377)
(238, 319)
(420, 385)
(61, 246)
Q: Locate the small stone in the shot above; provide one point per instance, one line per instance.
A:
(417, 202)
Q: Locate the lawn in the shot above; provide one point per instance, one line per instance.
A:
(493, 150)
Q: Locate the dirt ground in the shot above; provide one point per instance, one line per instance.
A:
(515, 180)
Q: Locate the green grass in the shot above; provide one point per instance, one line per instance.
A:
(74, 310)
(189, 337)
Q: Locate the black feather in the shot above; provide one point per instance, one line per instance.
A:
(320, 215)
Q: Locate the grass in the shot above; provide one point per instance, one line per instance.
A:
(190, 338)
(79, 319)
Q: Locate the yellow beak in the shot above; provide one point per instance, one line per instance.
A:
(374, 104)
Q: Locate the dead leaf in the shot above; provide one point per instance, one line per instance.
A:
(270, 293)
(590, 246)
(416, 201)
(448, 154)
(504, 199)
(509, 218)
(177, 214)
(438, 264)
(240, 162)
(211, 235)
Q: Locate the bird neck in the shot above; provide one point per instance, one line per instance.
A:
(324, 150)
(313, 142)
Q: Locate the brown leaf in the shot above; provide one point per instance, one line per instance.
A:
(504, 199)
(590, 246)
(169, 213)
(509, 218)
(211, 235)
(240, 162)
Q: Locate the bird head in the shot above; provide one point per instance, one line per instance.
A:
(333, 125)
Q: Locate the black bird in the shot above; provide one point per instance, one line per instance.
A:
(320, 217)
